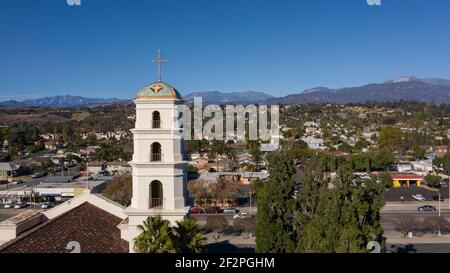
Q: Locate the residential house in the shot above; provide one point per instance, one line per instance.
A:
(8, 170)
(118, 167)
(314, 143)
(96, 167)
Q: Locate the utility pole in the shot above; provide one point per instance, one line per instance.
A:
(439, 204)
(87, 176)
(250, 193)
(448, 180)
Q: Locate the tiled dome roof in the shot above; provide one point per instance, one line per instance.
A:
(158, 90)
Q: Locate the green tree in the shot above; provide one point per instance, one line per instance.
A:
(390, 137)
(187, 237)
(346, 217)
(276, 206)
(155, 236)
(119, 190)
(382, 159)
(386, 180)
(255, 151)
(361, 162)
(433, 180)
(419, 152)
(361, 144)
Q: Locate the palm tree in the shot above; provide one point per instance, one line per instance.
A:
(155, 236)
(188, 237)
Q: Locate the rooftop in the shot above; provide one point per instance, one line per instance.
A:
(158, 90)
(93, 228)
(8, 166)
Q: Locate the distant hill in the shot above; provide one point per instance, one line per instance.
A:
(318, 89)
(62, 102)
(434, 90)
(233, 97)
(401, 88)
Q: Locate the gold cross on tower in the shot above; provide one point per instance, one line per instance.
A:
(159, 62)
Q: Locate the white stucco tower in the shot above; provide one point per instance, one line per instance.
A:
(159, 169)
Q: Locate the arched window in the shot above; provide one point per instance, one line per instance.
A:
(155, 194)
(155, 153)
(156, 120)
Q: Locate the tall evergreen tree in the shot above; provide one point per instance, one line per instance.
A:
(274, 229)
(347, 216)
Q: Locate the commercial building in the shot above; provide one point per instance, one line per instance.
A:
(406, 179)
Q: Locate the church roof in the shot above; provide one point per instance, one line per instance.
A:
(94, 228)
(158, 90)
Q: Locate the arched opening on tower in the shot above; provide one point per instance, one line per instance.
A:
(156, 120)
(155, 153)
(156, 194)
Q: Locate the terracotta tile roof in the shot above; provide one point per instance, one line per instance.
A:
(405, 176)
(95, 229)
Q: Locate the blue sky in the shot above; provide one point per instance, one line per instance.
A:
(103, 48)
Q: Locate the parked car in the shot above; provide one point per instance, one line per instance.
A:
(46, 205)
(39, 175)
(242, 215)
(419, 197)
(213, 210)
(20, 205)
(426, 208)
(197, 211)
(75, 177)
(231, 211)
(9, 205)
(17, 182)
(436, 198)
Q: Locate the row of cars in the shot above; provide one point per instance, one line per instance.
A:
(21, 205)
(15, 205)
(214, 210)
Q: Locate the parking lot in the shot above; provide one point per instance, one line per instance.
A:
(395, 194)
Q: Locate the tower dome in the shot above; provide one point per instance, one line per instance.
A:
(158, 90)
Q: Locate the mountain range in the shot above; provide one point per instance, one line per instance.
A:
(401, 88)
(433, 90)
(245, 97)
(62, 102)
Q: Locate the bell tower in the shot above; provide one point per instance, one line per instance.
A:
(159, 168)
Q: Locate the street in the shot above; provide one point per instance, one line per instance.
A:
(418, 248)
(36, 181)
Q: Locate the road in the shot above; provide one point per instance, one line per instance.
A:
(35, 181)
(418, 248)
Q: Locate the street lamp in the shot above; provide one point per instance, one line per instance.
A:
(448, 179)
(439, 204)
(250, 192)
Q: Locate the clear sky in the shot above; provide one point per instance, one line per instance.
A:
(104, 48)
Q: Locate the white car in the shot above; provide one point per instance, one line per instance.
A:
(20, 205)
(240, 215)
(232, 211)
(9, 205)
(46, 206)
(418, 197)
